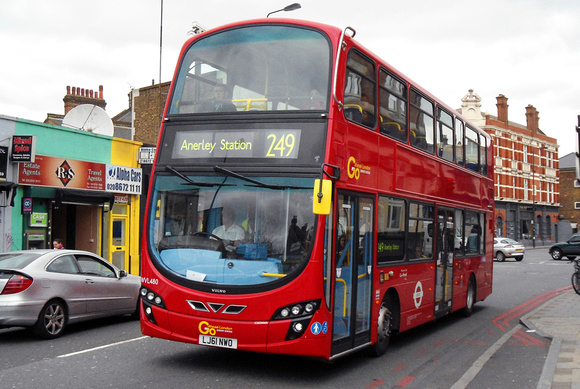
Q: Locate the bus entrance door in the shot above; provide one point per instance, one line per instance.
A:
(352, 272)
(445, 247)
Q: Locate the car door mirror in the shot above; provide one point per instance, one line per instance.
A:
(122, 273)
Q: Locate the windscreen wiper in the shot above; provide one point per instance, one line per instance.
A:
(189, 181)
(255, 182)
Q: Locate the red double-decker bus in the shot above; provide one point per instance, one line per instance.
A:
(309, 199)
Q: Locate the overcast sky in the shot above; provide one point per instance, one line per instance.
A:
(527, 50)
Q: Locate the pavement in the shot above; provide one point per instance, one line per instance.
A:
(559, 320)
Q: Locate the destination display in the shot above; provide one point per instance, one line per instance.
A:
(260, 143)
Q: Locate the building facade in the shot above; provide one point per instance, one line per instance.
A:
(81, 187)
(569, 194)
(526, 166)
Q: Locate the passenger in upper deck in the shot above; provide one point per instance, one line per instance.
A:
(220, 101)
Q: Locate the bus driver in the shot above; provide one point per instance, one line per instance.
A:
(231, 234)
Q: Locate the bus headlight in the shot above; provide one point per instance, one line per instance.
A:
(297, 328)
(149, 299)
(296, 310)
(299, 314)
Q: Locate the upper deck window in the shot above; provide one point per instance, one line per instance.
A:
(421, 122)
(255, 68)
(359, 90)
(471, 149)
(392, 106)
(445, 134)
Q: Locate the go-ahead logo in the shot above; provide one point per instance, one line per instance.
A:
(355, 169)
(207, 329)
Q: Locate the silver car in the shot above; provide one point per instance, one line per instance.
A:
(508, 248)
(48, 289)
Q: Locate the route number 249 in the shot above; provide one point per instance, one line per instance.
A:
(281, 146)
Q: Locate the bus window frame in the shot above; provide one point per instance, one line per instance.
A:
(350, 101)
(388, 127)
(403, 225)
(439, 134)
(421, 112)
(414, 259)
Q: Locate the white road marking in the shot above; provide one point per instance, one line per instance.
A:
(101, 347)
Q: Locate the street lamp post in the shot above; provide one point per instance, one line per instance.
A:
(290, 7)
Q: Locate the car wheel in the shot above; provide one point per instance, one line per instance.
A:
(500, 256)
(470, 298)
(51, 321)
(556, 254)
(520, 258)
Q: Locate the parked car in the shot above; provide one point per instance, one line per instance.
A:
(570, 248)
(508, 248)
(46, 290)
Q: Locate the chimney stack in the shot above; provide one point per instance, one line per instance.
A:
(77, 96)
(502, 109)
(532, 119)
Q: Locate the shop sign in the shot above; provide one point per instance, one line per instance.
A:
(23, 148)
(62, 173)
(122, 199)
(3, 162)
(124, 179)
(38, 219)
(146, 155)
(26, 205)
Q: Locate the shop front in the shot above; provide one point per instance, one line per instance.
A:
(90, 205)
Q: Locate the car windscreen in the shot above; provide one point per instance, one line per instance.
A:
(17, 260)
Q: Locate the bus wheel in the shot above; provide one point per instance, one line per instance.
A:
(470, 299)
(385, 326)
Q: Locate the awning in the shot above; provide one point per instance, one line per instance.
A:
(80, 196)
(8, 190)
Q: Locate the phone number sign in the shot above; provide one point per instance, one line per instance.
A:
(124, 179)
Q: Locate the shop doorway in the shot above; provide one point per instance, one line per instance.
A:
(119, 236)
(77, 225)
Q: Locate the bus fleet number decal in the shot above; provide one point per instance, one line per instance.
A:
(149, 281)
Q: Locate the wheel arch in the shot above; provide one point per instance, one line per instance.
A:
(392, 299)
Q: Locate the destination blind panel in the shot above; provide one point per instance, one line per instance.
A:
(270, 144)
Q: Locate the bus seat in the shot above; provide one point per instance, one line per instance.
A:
(353, 112)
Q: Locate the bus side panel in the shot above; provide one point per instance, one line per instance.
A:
(480, 267)
(415, 285)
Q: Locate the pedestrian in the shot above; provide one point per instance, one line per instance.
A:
(57, 244)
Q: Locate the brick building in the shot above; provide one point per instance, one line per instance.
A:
(569, 193)
(76, 96)
(147, 105)
(527, 193)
